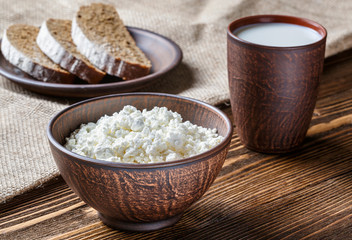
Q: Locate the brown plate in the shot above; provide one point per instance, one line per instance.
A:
(162, 52)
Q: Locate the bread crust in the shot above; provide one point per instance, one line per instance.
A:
(102, 59)
(58, 54)
(34, 68)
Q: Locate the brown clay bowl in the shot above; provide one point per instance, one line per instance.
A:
(139, 197)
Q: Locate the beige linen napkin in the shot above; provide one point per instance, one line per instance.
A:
(199, 27)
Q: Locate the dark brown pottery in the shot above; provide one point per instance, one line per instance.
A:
(162, 52)
(273, 89)
(139, 197)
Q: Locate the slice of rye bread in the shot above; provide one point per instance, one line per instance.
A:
(54, 39)
(19, 47)
(101, 36)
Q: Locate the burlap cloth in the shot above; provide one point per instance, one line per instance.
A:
(199, 27)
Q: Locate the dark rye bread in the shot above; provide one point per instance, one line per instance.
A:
(54, 39)
(19, 47)
(101, 36)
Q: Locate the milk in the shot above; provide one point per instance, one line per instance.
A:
(278, 34)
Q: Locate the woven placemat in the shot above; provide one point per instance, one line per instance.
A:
(198, 27)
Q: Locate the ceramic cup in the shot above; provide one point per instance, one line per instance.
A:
(273, 90)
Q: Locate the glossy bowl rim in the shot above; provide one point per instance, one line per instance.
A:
(213, 151)
(276, 18)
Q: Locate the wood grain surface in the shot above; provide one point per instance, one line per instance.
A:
(273, 90)
(306, 194)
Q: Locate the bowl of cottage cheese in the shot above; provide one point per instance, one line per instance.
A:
(140, 159)
(142, 136)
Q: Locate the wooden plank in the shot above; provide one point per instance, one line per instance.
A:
(336, 78)
(306, 194)
(282, 187)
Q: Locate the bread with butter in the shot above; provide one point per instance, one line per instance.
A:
(100, 35)
(54, 39)
(19, 47)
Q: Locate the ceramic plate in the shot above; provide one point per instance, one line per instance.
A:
(162, 52)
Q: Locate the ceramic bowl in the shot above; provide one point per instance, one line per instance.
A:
(139, 197)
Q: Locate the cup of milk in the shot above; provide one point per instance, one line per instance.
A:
(274, 65)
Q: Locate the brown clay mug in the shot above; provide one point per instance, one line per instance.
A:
(273, 89)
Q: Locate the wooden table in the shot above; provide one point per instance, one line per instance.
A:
(306, 194)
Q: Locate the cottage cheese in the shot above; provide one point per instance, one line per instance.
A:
(134, 136)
